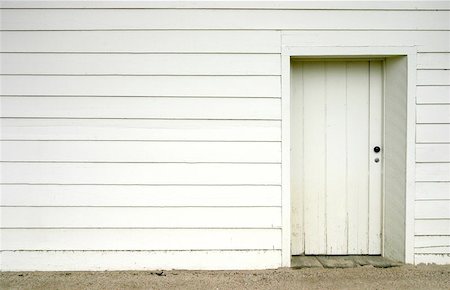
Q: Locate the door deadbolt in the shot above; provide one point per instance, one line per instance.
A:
(376, 149)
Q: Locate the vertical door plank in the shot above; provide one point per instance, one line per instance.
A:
(376, 136)
(336, 207)
(357, 156)
(314, 157)
(297, 243)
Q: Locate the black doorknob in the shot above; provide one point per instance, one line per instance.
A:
(376, 149)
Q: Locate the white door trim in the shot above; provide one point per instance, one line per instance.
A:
(351, 51)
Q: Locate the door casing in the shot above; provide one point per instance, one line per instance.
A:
(399, 244)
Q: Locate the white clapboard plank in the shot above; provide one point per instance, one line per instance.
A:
(141, 64)
(432, 190)
(435, 133)
(432, 114)
(432, 227)
(433, 171)
(433, 60)
(157, 86)
(439, 259)
(314, 149)
(140, 151)
(433, 77)
(433, 94)
(427, 242)
(199, 130)
(375, 169)
(433, 153)
(141, 41)
(139, 260)
(80, 19)
(296, 157)
(141, 107)
(426, 41)
(136, 195)
(357, 157)
(335, 177)
(141, 217)
(436, 209)
(141, 173)
(140, 239)
(433, 250)
(285, 5)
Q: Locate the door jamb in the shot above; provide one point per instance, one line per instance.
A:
(345, 52)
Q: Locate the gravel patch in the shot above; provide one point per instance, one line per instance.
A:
(363, 277)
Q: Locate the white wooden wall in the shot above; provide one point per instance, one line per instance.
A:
(151, 138)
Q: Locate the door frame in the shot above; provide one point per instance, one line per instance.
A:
(409, 52)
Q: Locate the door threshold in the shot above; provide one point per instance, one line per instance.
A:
(352, 261)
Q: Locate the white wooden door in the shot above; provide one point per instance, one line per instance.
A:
(342, 124)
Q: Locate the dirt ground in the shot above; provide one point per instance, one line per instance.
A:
(366, 277)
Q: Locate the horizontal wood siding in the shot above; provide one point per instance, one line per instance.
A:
(140, 64)
(142, 260)
(142, 108)
(141, 151)
(432, 208)
(138, 217)
(104, 19)
(150, 86)
(432, 190)
(126, 131)
(143, 239)
(138, 195)
(140, 173)
(140, 130)
(167, 41)
(433, 94)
